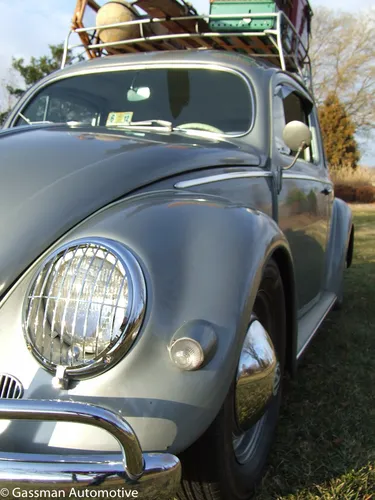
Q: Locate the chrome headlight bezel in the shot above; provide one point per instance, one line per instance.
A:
(134, 314)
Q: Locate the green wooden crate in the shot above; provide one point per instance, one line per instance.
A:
(246, 8)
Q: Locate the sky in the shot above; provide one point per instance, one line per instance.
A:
(28, 26)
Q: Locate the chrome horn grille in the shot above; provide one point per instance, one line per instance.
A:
(10, 387)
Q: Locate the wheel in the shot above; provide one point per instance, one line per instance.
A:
(338, 305)
(348, 261)
(226, 463)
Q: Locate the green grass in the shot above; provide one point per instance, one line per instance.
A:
(325, 447)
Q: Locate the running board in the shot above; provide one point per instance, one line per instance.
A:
(311, 321)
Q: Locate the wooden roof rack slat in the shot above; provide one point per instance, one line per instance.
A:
(223, 43)
(241, 44)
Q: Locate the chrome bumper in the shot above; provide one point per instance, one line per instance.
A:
(152, 475)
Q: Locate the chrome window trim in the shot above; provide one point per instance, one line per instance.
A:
(137, 67)
(220, 177)
(135, 314)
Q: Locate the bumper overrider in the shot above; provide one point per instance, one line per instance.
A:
(127, 474)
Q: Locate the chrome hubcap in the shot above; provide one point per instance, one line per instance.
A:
(277, 379)
(257, 377)
(244, 445)
(258, 381)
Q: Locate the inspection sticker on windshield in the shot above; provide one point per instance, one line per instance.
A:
(115, 118)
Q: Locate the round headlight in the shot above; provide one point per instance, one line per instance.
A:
(85, 306)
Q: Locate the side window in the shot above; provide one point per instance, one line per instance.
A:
(288, 106)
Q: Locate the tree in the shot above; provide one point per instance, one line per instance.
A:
(338, 133)
(34, 71)
(3, 115)
(8, 100)
(343, 62)
(37, 68)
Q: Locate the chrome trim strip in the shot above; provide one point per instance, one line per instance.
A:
(305, 345)
(129, 470)
(220, 177)
(150, 65)
(303, 177)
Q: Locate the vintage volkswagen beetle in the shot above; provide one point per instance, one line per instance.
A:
(161, 267)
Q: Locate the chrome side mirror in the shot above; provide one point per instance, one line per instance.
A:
(297, 137)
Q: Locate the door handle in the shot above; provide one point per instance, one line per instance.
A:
(327, 191)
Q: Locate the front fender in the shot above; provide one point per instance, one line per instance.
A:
(202, 258)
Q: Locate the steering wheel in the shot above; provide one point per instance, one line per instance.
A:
(200, 126)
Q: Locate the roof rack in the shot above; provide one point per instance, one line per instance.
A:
(281, 45)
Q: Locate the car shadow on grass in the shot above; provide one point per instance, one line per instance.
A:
(325, 446)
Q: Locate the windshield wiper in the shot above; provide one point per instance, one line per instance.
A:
(146, 124)
(195, 128)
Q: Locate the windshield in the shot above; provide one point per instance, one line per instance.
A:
(192, 98)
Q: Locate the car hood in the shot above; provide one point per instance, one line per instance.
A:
(54, 177)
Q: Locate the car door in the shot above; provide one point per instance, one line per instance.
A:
(305, 192)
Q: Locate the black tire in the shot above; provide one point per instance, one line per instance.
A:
(211, 470)
(338, 305)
